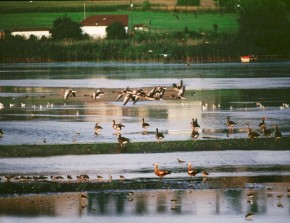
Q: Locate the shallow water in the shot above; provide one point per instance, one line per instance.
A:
(223, 197)
(221, 86)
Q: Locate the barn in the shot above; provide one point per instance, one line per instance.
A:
(95, 26)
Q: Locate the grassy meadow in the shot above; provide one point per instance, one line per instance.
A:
(42, 14)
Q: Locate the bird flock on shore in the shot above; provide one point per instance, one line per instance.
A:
(157, 93)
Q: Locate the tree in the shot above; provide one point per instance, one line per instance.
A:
(65, 28)
(264, 25)
(116, 31)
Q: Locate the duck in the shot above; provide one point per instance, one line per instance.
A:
(145, 125)
(159, 136)
(161, 173)
(97, 128)
(123, 140)
(191, 172)
(277, 133)
(69, 92)
(117, 126)
(252, 135)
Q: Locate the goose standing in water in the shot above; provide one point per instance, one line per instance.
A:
(117, 126)
(191, 172)
(230, 125)
(69, 92)
(277, 134)
(145, 125)
(159, 136)
(194, 133)
(194, 123)
(123, 140)
(252, 135)
(161, 173)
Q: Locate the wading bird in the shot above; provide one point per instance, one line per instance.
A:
(191, 172)
(252, 135)
(159, 136)
(123, 140)
(161, 173)
(277, 133)
(117, 126)
(145, 125)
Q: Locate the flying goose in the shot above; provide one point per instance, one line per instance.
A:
(69, 92)
(97, 128)
(177, 87)
(97, 94)
(180, 94)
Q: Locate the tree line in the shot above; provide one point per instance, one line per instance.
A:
(257, 34)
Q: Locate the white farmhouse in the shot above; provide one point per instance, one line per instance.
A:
(27, 32)
(95, 26)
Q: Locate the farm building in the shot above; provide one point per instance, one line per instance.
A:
(27, 32)
(95, 26)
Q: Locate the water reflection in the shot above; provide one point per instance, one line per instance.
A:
(227, 90)
(220, 202)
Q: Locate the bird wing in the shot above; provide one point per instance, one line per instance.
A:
(66, 94)
(127, 98)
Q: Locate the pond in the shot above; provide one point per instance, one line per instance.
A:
(246, 93)
(34, 112)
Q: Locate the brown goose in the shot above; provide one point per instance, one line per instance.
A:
(230, 123)
(252, 135)
(177, 87)
(191, 172)
(145, 125)
(161, 173)
(69, 92)
(194, 134)
(262, 124)
(117, 126)
(159, 136)
(97, 94)
(123, 140)
(277, 133)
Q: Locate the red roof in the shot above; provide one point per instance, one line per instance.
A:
(29, 29)
(104, 20)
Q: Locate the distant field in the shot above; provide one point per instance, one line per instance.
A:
(42, 14)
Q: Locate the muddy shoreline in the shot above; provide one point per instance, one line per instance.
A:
(143, 147)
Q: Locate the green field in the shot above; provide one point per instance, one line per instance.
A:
(23, 14)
